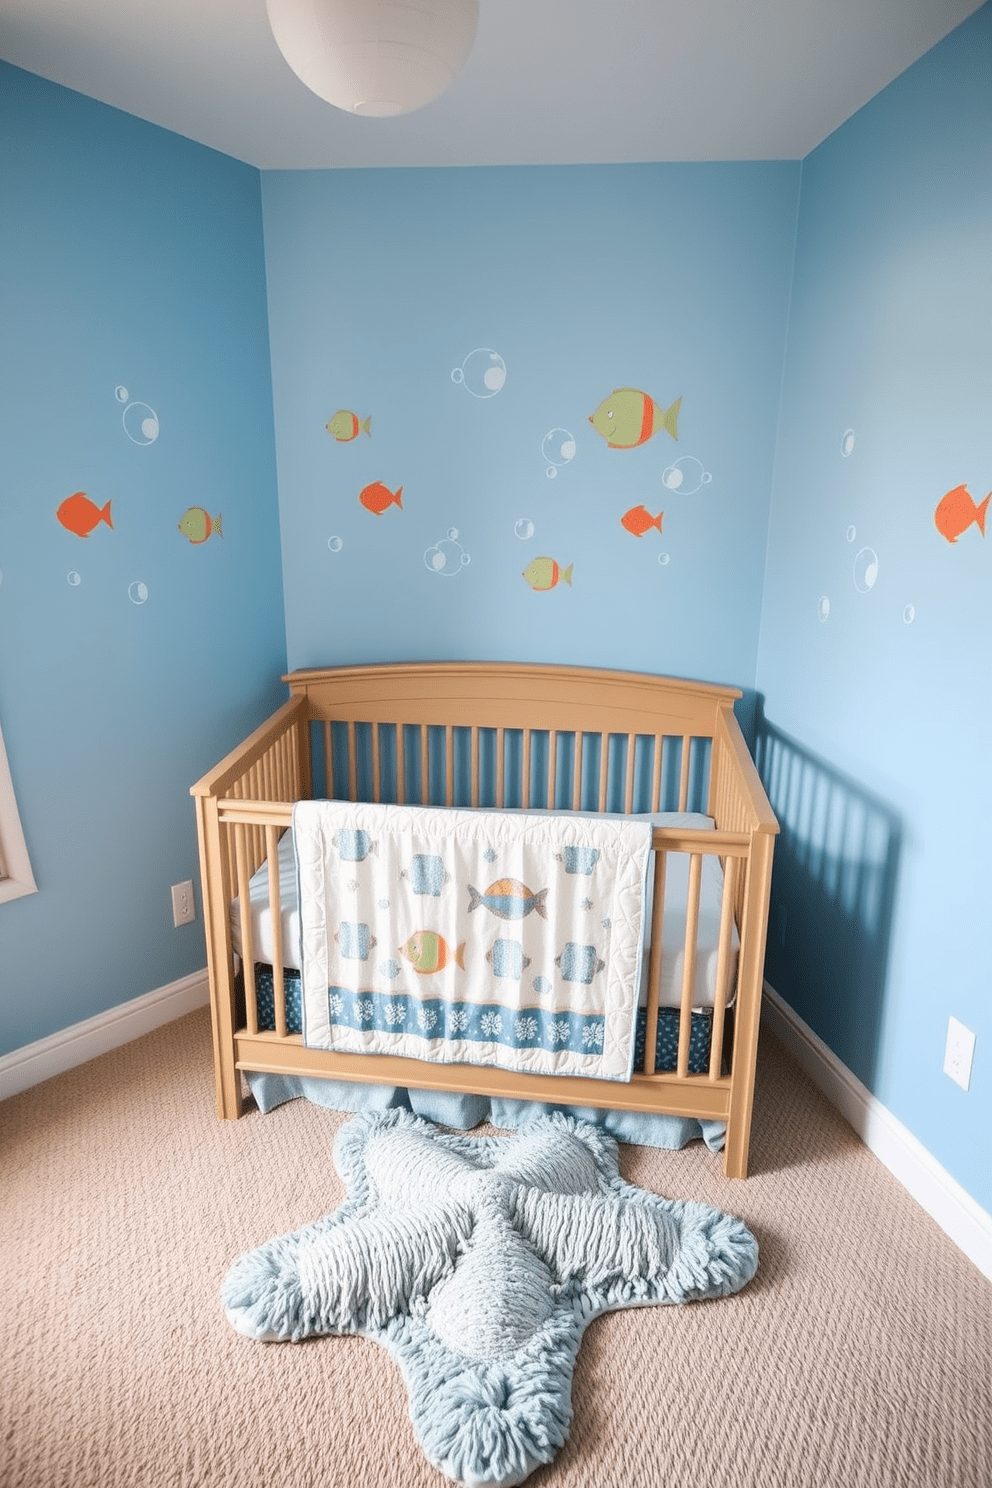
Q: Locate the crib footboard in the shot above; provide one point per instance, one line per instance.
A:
(356, 727)
(242, 807)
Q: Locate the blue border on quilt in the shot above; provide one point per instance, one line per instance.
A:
(437, 1019)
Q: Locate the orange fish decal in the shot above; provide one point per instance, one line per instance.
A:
(639, 520)
(376, 497)
(957, 510)
(80, 515)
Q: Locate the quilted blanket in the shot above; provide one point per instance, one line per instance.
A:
(477, 937)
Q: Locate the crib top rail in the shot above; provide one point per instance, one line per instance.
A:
(514, 695)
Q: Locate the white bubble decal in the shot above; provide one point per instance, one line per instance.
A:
(852, 533)
(137, 592)
(335, 544)
(865, 570)
(847, 443)
(664, 559)
(73, 578)
(141, 423)
(121, 393)
(447, 557)
(524, 529)
(686, 475)
(558, 448)
(823, 608)
(909, 614)
(482, 373)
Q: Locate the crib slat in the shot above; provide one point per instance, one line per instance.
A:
(328, 759)
(376, 784)
(244, 916)
(659, 749)
(552, 767)
(449, 765)
(654, 963)
(425, 765)
(730, 869)
(604, 769)
(525, 791)
(275, 909)
(577, 776)
(689, 961)
(684, 774)
(475, 767)
(352, 762)
(500, 768)
(628, 795)
(401, 763)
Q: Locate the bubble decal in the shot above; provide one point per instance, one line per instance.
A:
(686, 475)
(121, 393)
(558, 448)
(664, 559)
(847, 443)
(865, 570)
(823, 609)
(73, 578)
(335, 544)
(140, 423)
(447, 557)
(482, 373)
(137, 592)
(851, 534)
(524, 529)
(909, 614)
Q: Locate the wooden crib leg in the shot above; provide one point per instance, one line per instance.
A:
(219, 970)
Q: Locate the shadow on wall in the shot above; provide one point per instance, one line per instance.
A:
(833, 889)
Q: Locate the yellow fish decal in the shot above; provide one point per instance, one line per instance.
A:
(346, 426)
(544, 573)
(629, 417)
(197, 524)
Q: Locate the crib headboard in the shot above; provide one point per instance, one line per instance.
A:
(525, 735)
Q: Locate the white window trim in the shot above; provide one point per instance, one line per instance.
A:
(16, 878)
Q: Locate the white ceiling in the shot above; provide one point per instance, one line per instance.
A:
(548, 81)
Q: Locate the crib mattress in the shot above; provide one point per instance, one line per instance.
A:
(673, 933)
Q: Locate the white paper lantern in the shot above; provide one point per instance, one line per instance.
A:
(375, 57)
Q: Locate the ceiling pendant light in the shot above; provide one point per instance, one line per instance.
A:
(375, 57)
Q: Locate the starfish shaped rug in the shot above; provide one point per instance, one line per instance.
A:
(478, 1262)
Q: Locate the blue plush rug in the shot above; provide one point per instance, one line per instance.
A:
(478, 1262)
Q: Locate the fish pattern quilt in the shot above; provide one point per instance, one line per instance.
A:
(476, 937)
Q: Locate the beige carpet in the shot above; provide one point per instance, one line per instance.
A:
(859, 1357)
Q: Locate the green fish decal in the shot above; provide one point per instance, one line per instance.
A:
(544, 573)
(346, 426)
(629, 417)
(198, 525)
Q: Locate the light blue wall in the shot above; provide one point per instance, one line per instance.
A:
(129, 259)
(671, 279)
(876, 634)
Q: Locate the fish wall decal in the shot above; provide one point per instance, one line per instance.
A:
(80, 515)
(957, 510)
(639, 520)
(197, 525)
(345, 426)
(629, 417)
(377, 497)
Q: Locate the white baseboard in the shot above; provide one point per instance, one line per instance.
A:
(933, 1188)
(61, 1051)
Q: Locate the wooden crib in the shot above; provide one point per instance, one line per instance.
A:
(502, 736)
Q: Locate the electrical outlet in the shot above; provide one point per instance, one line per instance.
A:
(959, 1053)
(183, 905)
